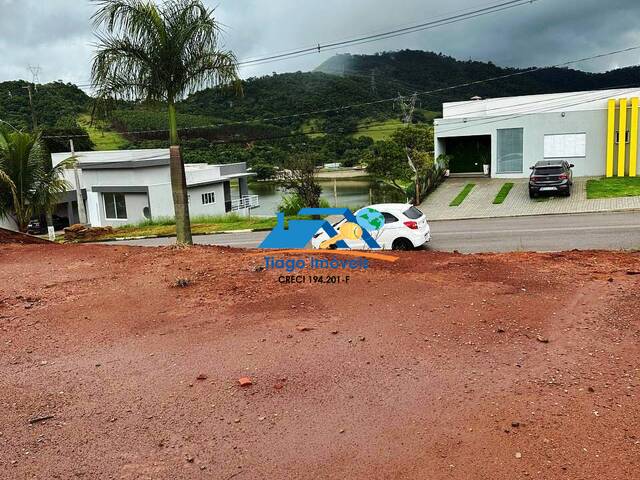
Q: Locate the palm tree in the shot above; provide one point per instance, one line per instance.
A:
(29, 184)
(161, 53)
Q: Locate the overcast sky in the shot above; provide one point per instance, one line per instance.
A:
(57, 35)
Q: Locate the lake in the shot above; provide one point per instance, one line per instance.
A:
(351, 193)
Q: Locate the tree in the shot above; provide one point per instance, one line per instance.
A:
(29, 184)
(263, 171)
(161, 53)
(299, 177)
(393, 161)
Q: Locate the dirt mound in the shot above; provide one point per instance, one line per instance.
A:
(82, 232)
(9, 236)
(184, 363)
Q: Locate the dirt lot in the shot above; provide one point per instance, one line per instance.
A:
(439, 366)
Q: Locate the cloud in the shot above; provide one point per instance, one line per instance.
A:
(57, 35)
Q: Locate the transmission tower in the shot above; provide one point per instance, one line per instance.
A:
(35, 75)
(407, 107)
(35, 78)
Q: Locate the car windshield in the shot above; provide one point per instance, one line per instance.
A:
(547, 171)
(413, 213)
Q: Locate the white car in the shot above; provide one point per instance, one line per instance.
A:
(405, 227)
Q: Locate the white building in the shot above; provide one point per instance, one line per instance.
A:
(597, 131)
(128, 186)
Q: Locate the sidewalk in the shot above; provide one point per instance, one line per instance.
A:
(478, 203)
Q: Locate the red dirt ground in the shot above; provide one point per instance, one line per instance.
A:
(11, 237)
(429, 368)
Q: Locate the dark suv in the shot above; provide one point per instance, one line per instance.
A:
(551, 176)
(38, 225)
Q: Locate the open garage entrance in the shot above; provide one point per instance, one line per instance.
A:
(468, 154)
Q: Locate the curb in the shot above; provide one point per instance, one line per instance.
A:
(589, 212)
(146, 237)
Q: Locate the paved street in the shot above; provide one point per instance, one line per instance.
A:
(541, 233)
(479, 203)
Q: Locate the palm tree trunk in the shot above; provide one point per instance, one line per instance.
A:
(178, 182)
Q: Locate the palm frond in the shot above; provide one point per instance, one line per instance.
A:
(158, 53)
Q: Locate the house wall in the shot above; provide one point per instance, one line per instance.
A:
(156, 179)
(136, 202)
(535, 126)
(196, 207)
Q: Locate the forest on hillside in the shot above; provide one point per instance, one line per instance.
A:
(281, 113)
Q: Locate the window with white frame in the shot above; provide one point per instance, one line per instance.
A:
(208, 198)
(115, 206)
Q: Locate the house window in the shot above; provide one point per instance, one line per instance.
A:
(510, 150)
(115, 206)
(208, 198)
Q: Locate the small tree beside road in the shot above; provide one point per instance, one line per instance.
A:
(406, 162)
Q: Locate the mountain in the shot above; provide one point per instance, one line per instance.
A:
(414, 70)
(353, 79)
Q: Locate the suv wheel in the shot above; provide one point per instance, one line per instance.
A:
(532, 194)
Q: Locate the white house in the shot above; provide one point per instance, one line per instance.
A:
(128, 186)
(597, 131)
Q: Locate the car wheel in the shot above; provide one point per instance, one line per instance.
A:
(401, 244)
(532, 194)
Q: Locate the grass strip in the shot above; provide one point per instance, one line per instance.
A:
(613, 187)
(462, 195)
(502, 194)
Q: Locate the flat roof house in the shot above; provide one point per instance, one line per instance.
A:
(597, 131)
(129, 186)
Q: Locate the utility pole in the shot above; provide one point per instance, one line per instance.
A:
(82, 213)
(374, 89)
(33, 112)
(408, 107)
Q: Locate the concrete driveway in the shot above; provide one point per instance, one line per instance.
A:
(479, 203)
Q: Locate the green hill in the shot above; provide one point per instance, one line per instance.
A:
(414, 70)
(257, 126)
(54, 103)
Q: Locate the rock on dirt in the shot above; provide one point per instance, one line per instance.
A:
(245, 382)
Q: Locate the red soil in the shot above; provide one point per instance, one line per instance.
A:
(11, 237)
(439, 366)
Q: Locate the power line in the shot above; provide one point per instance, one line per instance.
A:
(386, 100)
(389, 34)
(314, 46)
(390, 129)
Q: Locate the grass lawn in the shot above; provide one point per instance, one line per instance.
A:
(502, 194)
(199, 225)
(101, 136)
(462, 195)
(379, 131)
(613, 187)
(313, 125)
